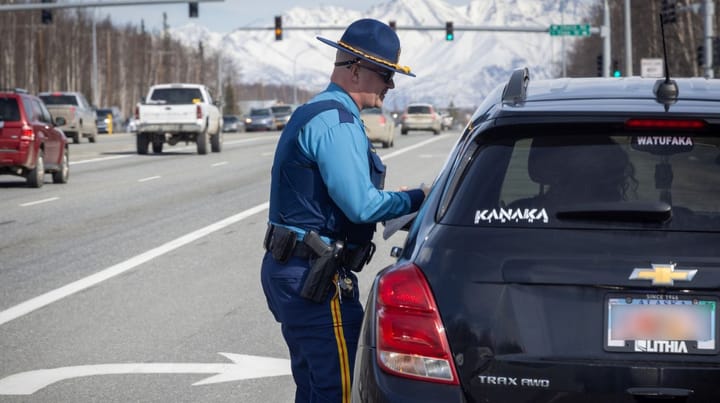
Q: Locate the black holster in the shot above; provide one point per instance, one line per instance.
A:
(319, 280)
(355, 259)
(280, 241)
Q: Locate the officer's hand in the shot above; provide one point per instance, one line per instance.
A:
(425, 188)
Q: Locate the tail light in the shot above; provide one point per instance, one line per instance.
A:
(198, 111)
(72, 113)
(382, 120)
(403, 117)
(411, 340)
(137, 112)
(669, 124)
(27, 134)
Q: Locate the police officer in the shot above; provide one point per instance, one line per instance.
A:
(325, 197)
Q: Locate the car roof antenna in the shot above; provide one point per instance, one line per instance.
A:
(666, 91)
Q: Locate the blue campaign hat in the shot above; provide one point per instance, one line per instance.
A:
(374, 41)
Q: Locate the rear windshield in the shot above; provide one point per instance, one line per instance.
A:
(176, 96)
(418, 109)
(260, 112)
(282, 109)
(9, 109)
(651, 180)
(59, 99)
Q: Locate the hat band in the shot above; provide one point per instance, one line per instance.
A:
(405, 69)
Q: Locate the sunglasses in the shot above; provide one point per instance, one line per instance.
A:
(386, 75)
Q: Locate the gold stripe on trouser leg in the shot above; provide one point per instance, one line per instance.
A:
(341, 345)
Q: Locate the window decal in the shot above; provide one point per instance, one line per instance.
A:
(502, 215)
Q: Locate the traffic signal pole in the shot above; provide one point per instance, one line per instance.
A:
(709, 8)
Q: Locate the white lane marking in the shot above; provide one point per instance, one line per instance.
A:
(242, 367)
(412, 147)
(89, 281)
(99, 159)
(217, 164)
(149, 178)
(39, 202)
(114, 157)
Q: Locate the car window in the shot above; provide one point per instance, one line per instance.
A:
(538, 181)
(37, 110)
(9, 109)
(176, 96)
(261, 112)
(33, 113)
(102, 113)
(46, 116)
(281, 109)
(59, 99)
(419, 109)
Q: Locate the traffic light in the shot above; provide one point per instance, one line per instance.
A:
(449, 34)
(669, 11)
(193, 6)
(701, 55)
(392, 25)
(616, 69)
(716, 51)
(278, 28)
(46, 14)
(600, 65)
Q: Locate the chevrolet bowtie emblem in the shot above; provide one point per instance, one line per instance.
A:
(663, 274)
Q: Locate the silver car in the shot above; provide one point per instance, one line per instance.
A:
(420, 117)
(379, 126)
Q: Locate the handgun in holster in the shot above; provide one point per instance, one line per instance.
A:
(319, 280)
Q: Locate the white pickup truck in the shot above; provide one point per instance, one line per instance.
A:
(171, 113)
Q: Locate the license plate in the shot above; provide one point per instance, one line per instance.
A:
(660, 323)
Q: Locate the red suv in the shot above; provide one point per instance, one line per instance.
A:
(30, 143)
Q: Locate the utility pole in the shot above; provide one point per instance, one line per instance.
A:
(709, 10)
(628, 41)
(605, 34)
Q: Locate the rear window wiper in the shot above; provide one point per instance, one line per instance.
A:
(635, 211)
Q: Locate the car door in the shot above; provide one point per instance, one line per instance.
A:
(42, 124)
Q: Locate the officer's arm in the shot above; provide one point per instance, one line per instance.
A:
(341, 155)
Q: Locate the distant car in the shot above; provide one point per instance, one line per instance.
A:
(132, 125)
(107, 117)
(231, 124)
(282, 115)
(379, 126)
(260, 119)
(31, 144)
(80, 117)
(446, 120)
(420, 117)
(568, 252)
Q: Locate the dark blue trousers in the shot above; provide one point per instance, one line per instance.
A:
(322, 338)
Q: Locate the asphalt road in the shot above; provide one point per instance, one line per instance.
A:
(138, 280)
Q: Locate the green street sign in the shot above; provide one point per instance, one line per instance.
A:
(570, 29)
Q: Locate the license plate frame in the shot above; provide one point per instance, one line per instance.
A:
(630, 320)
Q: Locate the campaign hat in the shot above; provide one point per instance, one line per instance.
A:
(373, 41)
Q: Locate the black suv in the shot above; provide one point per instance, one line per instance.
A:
(30, 143)
(568, 252)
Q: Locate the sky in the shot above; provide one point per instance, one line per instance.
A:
(224, 16)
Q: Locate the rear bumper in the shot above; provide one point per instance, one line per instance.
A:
(169, 128)
(540, 381)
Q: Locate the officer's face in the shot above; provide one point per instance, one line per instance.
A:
(376, 82)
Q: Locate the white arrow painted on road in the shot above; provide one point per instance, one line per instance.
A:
(242, 367)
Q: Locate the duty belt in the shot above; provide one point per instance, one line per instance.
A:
(282, 243)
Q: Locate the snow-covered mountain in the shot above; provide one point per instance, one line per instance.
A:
(462, 71)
